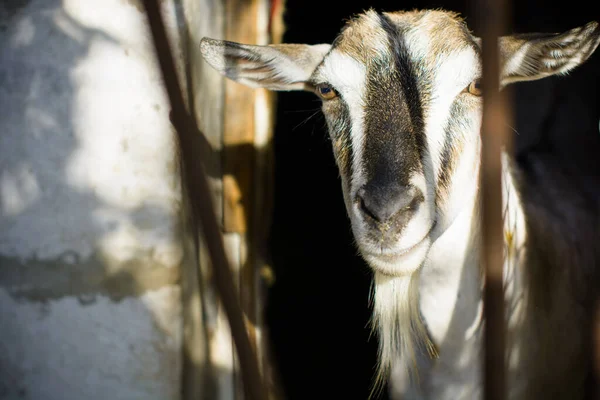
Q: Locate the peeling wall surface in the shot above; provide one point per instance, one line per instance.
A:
(90, 205)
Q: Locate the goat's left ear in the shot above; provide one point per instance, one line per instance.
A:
(528, 57)
(275, 67)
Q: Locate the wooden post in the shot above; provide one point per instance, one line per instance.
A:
(238, 160)
(203, 374)
(491, 16)
(247, 133)
(237, 127)
(202, 205)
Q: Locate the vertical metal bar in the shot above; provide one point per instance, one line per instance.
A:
(202, 205)
(491, 16)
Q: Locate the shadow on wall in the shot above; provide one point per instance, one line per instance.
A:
(89, 209)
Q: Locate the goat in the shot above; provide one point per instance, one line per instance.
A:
(401, 96)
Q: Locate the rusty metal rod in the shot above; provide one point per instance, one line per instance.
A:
(197, 186)
(492, 15)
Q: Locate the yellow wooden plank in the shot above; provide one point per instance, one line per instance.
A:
(238, 135)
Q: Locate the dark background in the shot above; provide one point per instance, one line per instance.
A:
(318, 309)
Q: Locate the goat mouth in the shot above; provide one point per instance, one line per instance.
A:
(402, 262)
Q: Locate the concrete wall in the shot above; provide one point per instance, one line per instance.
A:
(90, 205)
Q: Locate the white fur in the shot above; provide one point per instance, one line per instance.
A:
(348, 76)
(453, 75)
(450, 302)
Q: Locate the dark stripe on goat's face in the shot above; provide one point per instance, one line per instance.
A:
(340, 128)
(394, 137)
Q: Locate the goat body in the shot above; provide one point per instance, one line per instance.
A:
(402, 101)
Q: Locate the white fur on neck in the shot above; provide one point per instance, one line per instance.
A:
(397, 319)
(446, 293)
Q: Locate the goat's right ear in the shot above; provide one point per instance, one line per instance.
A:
(275, 67)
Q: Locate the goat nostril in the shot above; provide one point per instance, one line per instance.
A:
(363, 207)
(388, 204)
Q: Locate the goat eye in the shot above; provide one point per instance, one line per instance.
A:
(326, 92)
(475, 88)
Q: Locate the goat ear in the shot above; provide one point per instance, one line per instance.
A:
(275, 67)
(528, 57)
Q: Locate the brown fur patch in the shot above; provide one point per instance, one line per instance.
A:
(362, 36)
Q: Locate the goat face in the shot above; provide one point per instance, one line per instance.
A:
(399, 116)
(401, 99)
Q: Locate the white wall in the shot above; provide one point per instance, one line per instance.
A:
(90, 206)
